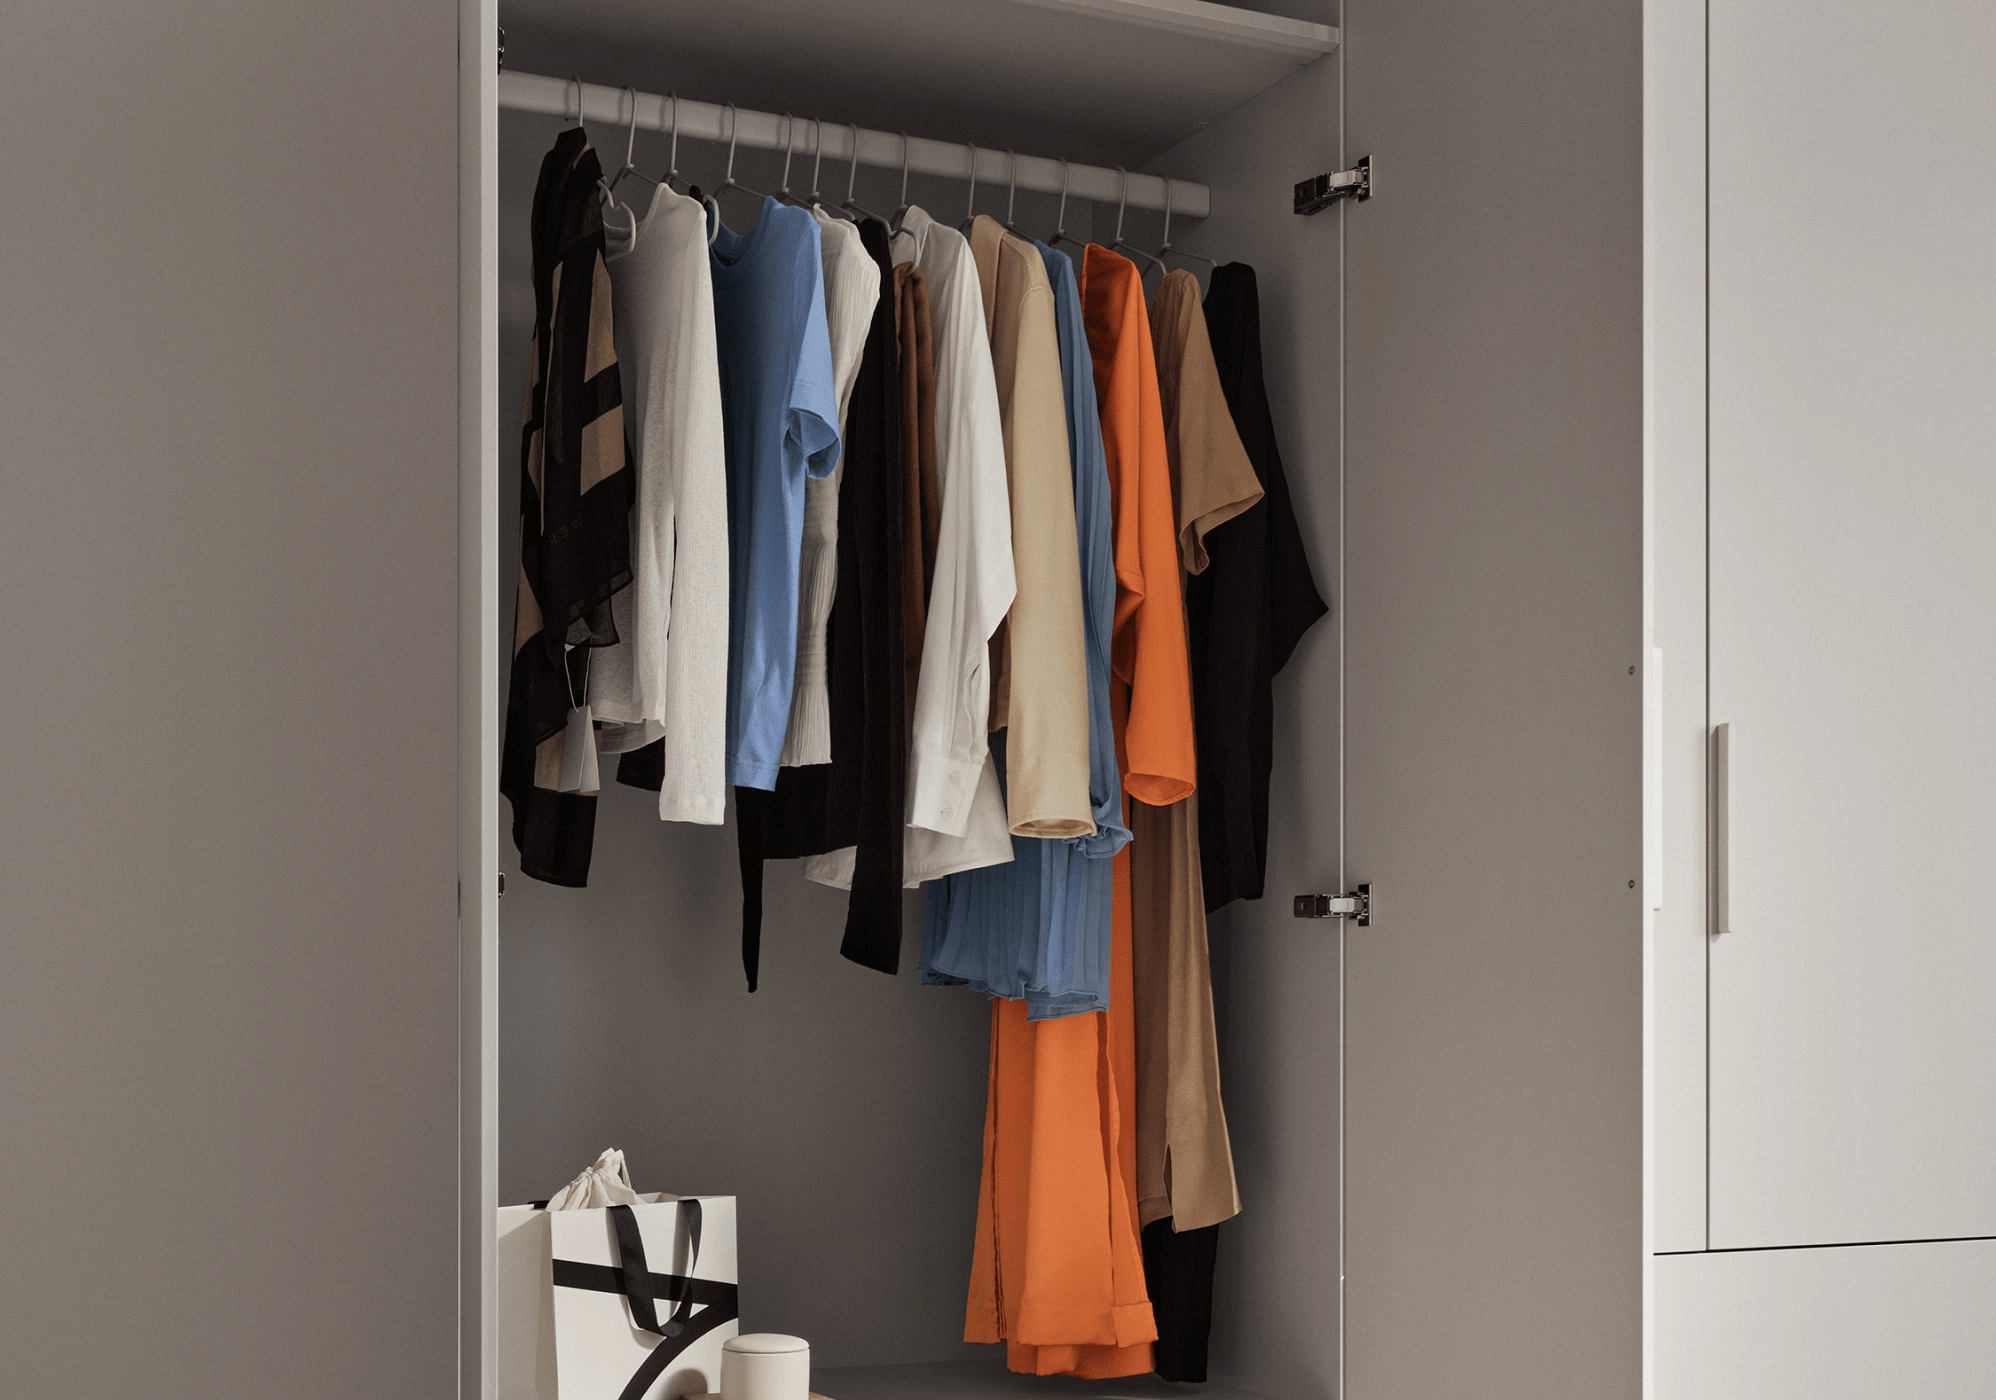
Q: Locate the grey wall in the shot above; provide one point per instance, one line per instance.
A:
(1494, 1071)
(228, 1015)
(845, 1109)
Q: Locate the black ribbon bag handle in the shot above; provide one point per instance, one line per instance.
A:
(637, 1275)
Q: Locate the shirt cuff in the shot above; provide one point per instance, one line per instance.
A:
(701, 809)
(940, 787)
(753, 773)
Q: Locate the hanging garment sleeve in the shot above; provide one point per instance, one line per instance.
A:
(748, 846)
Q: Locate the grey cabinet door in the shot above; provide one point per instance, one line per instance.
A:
(229, 840)
(1853, 620)
(1493, 688)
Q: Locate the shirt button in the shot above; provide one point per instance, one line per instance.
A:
(946, 813)
(956, 780)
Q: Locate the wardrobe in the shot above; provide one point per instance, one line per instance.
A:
(1643, 401)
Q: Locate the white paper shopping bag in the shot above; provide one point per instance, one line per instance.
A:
(623, 1302)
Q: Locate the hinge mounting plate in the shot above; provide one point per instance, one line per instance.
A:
(1320, 192)
(1356, 906)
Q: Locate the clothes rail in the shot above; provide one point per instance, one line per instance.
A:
(703, 121)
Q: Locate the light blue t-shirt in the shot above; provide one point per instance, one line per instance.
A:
(1039, 928)
(780, 416)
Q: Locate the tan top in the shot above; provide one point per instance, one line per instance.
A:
(1185, 1162)
(1198, 425)
(1046, 704)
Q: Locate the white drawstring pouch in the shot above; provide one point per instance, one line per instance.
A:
(607, 1182)
(607, 1293)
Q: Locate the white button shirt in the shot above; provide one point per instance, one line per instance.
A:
(956, 814)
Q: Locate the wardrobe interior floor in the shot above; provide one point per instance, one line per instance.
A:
(977, 1380)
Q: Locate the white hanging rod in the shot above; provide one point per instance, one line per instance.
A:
(703, 121)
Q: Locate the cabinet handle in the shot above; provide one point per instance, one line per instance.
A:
(1653, 780)
(1722, 828)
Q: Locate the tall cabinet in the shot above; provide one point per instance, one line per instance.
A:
(1650, 396)
(1834, 1235)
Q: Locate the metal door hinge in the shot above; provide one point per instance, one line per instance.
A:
(1356, 906)
(1320, 192)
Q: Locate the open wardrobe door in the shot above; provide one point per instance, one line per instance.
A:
(1492, 605)
(1275, 1319)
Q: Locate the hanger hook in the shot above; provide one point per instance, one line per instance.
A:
(970, 205)
(852, 171)
(789, 132)
(734, 121)
(1122, 202)
(1167, 218)
(1011, 186)
(673, 173)
(631, 141)
(1060, 220)
(904, 170)
(817, 154)
(578, 99)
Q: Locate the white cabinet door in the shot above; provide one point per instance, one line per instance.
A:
(1853, 618)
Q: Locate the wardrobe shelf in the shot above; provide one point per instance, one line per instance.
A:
(1051, 81)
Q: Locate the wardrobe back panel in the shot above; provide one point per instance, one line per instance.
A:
(844, 1108)
(228, 863)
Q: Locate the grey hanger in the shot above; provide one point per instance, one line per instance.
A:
(817, 159)
(630, 147)
(789, 146)
(728, 181)
(1167, 249)
(673, 160)
(902, 212)
(1011, 194)
(1060, 220)
(970, 204)
(852, 177)
(1119, 242)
